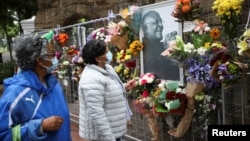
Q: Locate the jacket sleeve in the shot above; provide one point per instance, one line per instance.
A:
(9, 117)
(94, 96)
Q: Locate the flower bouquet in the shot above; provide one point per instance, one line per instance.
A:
(171, 99)
(118, 33)
(178, 51)
(146, 87)
(226, 69)
(229, 13)
(186, 10)
(126, 71)
(206, 110)
(226, 72)
(99, 33)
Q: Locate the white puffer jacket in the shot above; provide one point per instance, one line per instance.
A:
(102, 104)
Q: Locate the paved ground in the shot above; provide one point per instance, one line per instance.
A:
(74, 132)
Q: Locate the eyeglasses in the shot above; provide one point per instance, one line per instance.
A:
(48, 56)
(156, 22)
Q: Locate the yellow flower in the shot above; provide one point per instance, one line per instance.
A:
(200, 96)
(228, 11)
(242, 45)
(135, 47)
(207, 45)
(126, 71)
(246, 33)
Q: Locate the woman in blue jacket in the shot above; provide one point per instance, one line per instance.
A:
(33, 107)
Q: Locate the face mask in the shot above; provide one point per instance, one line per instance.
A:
(54, 62)
(109, 57)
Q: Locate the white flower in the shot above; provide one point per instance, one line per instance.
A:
(66, 63)
(122, 23)
(201, 50)
(162, 85)
(207, 28)
(189, 47)
(179, 90)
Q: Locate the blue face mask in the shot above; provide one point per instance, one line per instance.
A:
(109, 57)
(54, 62)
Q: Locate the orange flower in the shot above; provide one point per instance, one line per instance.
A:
(62, 38)
(215, 33)
(185, 8)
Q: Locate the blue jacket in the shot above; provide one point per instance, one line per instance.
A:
(27, 101)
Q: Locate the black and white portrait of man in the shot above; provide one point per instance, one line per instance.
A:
(158, 28)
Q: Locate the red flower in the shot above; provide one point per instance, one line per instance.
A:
(131, 64)
(145, 93)
(171, 95)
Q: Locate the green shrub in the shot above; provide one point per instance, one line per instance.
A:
(7, 69)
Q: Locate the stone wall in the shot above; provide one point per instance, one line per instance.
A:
(68, 12)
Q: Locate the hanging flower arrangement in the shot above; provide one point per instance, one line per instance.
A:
(171, 99)
(186, 10)
(228, 72)
(99, 33)
(229, 13)
(178, 51)
(225, 70)
(147, 87)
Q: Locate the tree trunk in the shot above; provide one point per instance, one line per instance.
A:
(8, 42)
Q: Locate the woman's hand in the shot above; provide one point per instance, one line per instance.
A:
(130, 84)
(52, 123)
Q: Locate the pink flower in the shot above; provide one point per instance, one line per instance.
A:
(149, 77)
(143, 82)
(168, 52)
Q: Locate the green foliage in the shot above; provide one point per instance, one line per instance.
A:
(7, 70)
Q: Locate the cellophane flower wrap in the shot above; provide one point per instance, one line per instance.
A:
(171, 99)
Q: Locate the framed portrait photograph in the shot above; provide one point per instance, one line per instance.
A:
(157, 29)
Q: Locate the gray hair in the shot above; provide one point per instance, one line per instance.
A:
(27, 50)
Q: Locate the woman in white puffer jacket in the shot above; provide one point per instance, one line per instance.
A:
(103, 106)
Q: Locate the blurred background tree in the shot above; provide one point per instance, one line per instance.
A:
(11, 14)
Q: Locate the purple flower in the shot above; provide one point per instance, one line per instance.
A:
(198, 70)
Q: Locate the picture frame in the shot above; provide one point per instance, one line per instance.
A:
(150, 57)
